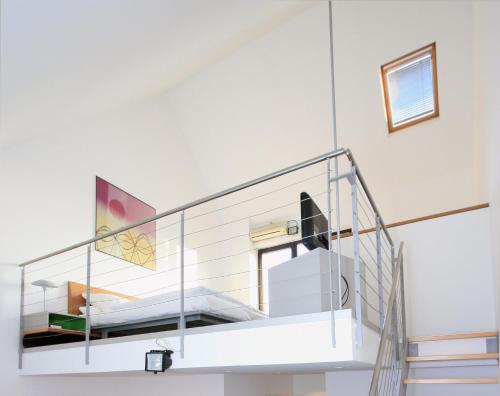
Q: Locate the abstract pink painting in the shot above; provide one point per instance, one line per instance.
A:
(115, 209)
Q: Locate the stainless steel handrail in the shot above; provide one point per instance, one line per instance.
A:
(209, 198)
(270, 176)
(397, 283)
(368, 194)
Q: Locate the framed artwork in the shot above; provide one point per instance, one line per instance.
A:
(116, 208)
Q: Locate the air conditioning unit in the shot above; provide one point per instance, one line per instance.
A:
(269, 231)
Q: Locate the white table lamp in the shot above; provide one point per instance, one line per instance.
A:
(44, 284)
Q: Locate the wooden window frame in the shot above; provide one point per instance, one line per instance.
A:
(384, 69)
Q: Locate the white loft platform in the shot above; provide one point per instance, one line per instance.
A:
(296, 344)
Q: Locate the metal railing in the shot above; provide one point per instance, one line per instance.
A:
(198, 202)
(221, 232)
(391, 367)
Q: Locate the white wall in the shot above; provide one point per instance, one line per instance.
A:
(210, 385)
(268, 104)
(139, 148)
(448, 267)
(50, 200)
(274, 385)
(450, 288)
(431, 159)
(487, 116)
(265, 106)
(309, 385)
(345, 382)
(487, 111)
(251, 385)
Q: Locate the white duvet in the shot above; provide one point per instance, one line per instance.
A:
(197, 299)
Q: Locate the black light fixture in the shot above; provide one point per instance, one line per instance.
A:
(158, 360)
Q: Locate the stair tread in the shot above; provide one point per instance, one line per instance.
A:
(476, 380)
(465, 356)
(458, 336)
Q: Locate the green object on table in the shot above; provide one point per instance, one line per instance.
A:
(68, 322)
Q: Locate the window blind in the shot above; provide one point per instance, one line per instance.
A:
(411, 93)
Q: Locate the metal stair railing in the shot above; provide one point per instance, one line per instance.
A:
(391, 367)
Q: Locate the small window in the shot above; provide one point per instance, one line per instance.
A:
(410, 88)
(268, 258)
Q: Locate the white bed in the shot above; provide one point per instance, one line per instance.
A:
(197, 299)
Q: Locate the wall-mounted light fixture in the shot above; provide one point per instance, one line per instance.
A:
(158, 361)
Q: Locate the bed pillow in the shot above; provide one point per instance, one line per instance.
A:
(93, 310)
(104, 301)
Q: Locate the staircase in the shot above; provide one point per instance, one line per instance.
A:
(472, 358)
(453, 351)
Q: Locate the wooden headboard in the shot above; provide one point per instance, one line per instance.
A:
(75, 299)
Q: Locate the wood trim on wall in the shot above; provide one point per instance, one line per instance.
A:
(441, 214)
(423, 218)
(417, 219)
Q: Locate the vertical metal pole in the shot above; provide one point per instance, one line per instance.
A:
(357, 272)
(403, 324)
(380, 275)
(393, 261)
(87, 309)
(339, 250)
(403, 309)
(329, 236)
(182, 324)
(21, 323)
(332, 74)
(336, 160)
(394, 309)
